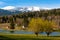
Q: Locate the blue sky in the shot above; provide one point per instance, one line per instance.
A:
(39, 3)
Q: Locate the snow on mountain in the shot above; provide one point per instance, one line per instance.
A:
(34, 8)
(9, 10)
(12, 8)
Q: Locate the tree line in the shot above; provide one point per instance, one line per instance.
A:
(42, 13)
(32, 20)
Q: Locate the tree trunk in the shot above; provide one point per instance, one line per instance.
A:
(11, 31)
(48, 33)
(36, 34)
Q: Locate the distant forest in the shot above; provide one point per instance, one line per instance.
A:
(50, 15)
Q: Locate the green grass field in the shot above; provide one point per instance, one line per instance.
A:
(4, 36)
(27, 37)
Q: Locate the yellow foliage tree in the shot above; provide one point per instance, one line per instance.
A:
(36, 25)
(49, 27)
(39, 25)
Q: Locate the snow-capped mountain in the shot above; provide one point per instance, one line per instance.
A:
(9, 10)
(12, 8)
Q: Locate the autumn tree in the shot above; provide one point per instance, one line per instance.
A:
(49, 27)
(36, 25)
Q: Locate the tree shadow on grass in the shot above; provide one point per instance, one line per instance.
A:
(54, 36)
(5, 38)
(31, 39)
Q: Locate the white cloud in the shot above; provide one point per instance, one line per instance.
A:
(33, 8)
(46, 8)
(8, 7)
(36, 8)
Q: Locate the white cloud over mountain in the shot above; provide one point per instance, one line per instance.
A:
(8, 7)
(46, 8)
(34, 8)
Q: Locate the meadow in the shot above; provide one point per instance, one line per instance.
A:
(27, 37)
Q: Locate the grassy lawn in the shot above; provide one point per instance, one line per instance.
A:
(27, 37)
(4, 36)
